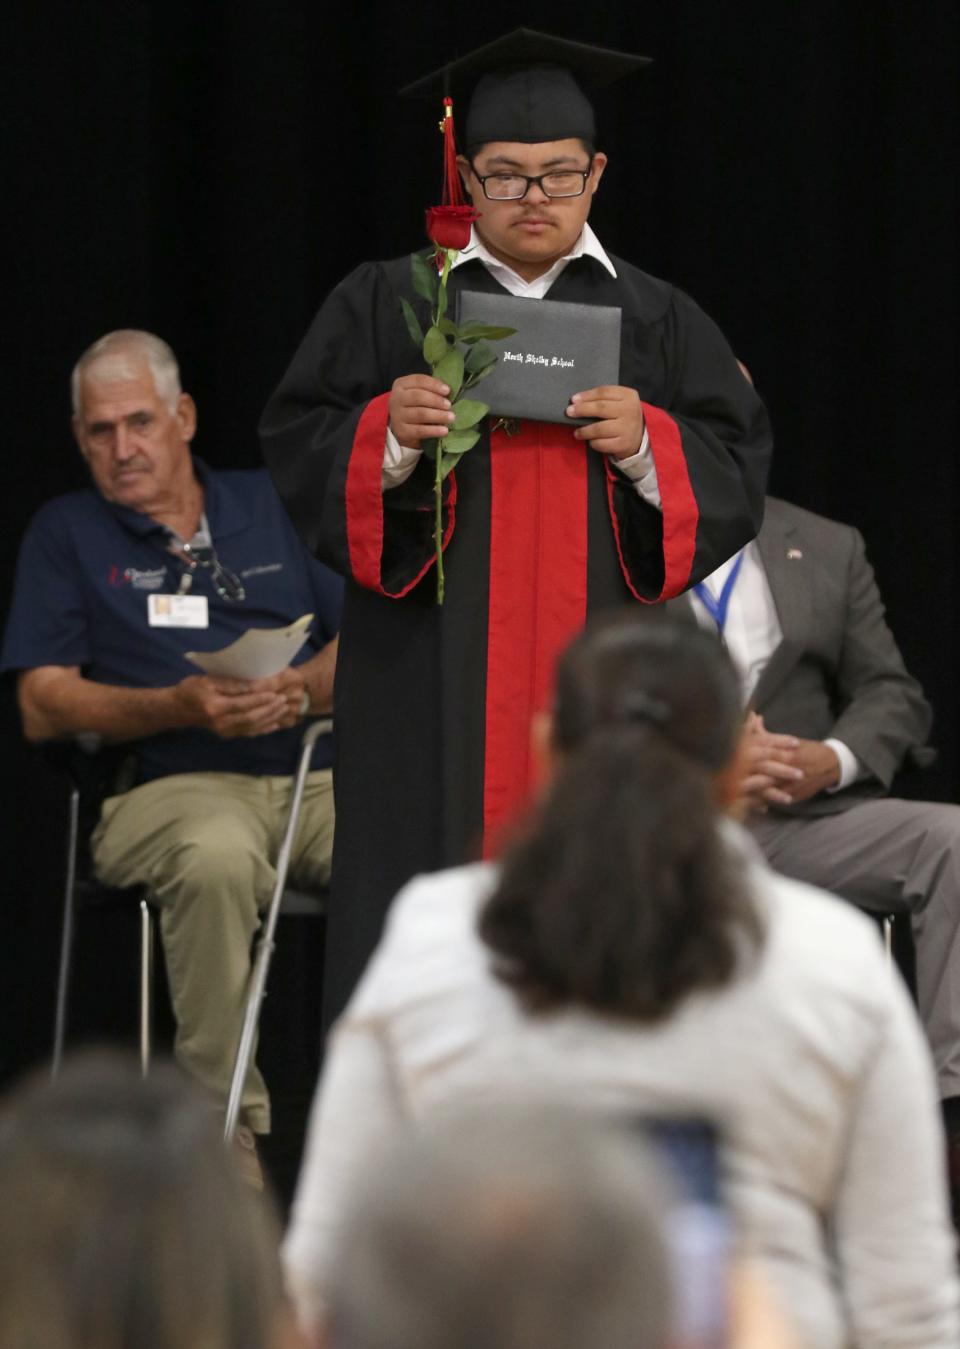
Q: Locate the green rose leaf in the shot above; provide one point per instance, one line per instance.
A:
(448, 462)
(476, 376)
(479, 356)
(469, 411)
(484, 332)
(460, 357)
(450, 371)
(435, 346)
(413, 325)
(424, 276)
(458, 442)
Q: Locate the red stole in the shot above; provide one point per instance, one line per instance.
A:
(538, 598)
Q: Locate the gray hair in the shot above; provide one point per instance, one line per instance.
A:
(533, 1230)
(122, 352)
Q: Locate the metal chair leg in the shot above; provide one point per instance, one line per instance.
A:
(146, 985)
(66, 937)
(265, 945)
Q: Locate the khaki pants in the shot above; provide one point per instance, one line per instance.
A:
(204, 845)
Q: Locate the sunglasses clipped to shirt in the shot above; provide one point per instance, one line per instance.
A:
(226, 583)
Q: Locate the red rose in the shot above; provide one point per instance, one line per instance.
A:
(449, 226)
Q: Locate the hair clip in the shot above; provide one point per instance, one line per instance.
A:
(639, 706)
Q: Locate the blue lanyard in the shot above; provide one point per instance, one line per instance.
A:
(717, 608)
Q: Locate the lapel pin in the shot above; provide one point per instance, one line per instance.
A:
(794, 554)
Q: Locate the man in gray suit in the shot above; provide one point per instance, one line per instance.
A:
(833, 715)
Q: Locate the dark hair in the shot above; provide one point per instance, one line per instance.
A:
(621, 895)
(122, 1222)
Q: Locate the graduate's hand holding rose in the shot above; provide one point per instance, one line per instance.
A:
(617, 427)
(419, 409)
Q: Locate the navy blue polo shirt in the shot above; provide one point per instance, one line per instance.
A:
(87, 566)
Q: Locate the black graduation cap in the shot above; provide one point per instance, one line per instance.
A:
(527, 86)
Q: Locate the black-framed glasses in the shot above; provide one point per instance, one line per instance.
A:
(225, 582)
(515, 186)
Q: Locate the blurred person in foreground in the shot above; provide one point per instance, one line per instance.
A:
(508, 1230)
(124, 1223)
(633, 952)
(516, 1228)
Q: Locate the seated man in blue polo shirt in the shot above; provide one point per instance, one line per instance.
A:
(114, 584)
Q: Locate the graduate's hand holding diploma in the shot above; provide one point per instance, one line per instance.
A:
(617, 428)
(419, 409)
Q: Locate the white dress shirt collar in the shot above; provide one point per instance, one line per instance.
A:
(587, 246)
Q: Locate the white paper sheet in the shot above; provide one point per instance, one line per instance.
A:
(258, 653)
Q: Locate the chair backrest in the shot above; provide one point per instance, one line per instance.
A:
(95, 770)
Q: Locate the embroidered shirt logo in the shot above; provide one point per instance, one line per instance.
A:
(151, 579)
(263, 569)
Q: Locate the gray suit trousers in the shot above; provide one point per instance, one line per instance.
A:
(890, 856)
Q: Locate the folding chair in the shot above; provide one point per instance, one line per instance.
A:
(256, 989)
(898, 944)
(887, 921)
(95, 772)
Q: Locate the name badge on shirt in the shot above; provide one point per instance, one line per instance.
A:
(177, 611)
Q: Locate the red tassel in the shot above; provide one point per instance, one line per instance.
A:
(448, 225)
(452, 189)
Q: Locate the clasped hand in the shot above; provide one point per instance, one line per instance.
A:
(782, 770)
(241, 707)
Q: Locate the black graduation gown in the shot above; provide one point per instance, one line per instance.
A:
(432, 703)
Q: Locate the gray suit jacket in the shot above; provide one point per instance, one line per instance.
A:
(838, 671)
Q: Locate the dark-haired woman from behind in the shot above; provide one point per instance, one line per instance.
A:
(632, 953)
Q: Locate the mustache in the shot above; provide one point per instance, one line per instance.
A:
(132, 466)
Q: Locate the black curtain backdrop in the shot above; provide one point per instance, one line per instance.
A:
(210, 171)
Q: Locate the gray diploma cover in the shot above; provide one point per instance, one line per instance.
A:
(559, 349)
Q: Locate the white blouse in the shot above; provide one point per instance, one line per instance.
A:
(813, 1062)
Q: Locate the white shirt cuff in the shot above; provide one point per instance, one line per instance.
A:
(641, 471)
(850, 768)
(399, 461)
